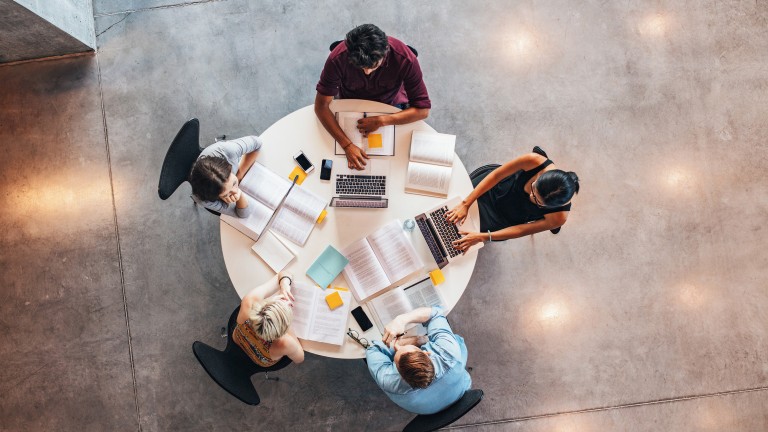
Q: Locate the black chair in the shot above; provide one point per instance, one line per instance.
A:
(335, 44)
(232, 368)
(431, 422)
(181, 155)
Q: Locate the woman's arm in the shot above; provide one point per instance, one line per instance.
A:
(550, 222)
(525, 162)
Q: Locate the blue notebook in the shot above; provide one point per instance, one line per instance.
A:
(327, 266)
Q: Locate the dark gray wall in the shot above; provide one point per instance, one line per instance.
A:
(25, 35)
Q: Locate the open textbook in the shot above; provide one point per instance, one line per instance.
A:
(296, 217)
(403, 299)
(431, 163)
(380, 142)
(313, 319)
(379, 260)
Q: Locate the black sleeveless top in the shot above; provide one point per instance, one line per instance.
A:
(508, 204)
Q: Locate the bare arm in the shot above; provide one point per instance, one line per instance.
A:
(291, 347)
(355, 155)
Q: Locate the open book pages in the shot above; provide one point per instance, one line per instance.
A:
(265, 189)
(313, 319)
(379, 260)
(402, 300)
(431, 163)
(348, 123)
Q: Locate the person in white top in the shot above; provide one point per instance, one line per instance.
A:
(216, 175)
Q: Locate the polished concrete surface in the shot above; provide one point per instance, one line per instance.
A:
(646, 313)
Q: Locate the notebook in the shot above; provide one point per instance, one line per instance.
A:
(313, 319)
(327, 266)
(265, 189)
(379, 260)
(430, 163)
(273, 252)
(404, 299)
(380, 142)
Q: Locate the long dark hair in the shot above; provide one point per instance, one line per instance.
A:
(557, 187)
(208, 176)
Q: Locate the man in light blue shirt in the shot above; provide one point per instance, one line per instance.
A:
(423, 374)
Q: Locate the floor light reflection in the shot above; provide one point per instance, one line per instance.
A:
(655, 25)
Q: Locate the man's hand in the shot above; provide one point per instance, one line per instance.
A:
(355, 156)
(369, 124)
(393, 330)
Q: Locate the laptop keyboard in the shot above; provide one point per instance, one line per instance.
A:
(447, 231)
(340, 202)
(434, 248)
(351, 184)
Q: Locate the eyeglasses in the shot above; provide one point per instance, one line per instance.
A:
(356, 337)
(533, 195)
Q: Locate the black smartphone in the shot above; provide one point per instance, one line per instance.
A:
(303, 162)
(361, 318)
(325, 169)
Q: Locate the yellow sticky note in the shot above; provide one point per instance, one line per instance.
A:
(297, 172)
(334, 300)
(340, 288)
(374, 141)
(437, 277)
(322, 216)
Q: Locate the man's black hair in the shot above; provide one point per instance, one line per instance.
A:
(366, 45)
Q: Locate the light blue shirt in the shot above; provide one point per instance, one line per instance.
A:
(449, 356)
(232, 151)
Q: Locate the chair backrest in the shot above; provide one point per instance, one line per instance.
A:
(335, 44)
(431, 422)
(232, 368)
(182, 153)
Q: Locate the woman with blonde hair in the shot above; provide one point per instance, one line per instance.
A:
(263, 323)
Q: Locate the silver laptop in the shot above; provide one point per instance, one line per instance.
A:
(361, 189)
(440, 234)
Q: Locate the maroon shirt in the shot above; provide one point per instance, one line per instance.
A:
(398, 79)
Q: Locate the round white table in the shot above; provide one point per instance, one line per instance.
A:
(301, 130)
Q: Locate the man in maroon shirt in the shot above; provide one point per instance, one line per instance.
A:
(369, 65)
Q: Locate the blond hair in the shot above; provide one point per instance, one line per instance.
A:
(270, 318)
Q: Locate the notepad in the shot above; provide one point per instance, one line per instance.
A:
(327, 266)
(374, 141)
(274, 253)
(297, 172)
(437, 277)
(334, 300)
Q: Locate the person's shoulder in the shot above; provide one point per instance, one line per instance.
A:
(400, 48)
(530, 161)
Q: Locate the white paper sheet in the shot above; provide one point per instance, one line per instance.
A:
(433, 148)
(274, 253)
(434, 179)
(348, 123)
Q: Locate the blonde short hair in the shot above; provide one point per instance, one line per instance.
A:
(270, 318)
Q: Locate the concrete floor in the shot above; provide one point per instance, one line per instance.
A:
(646, 313)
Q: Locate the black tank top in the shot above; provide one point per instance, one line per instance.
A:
(513, 203)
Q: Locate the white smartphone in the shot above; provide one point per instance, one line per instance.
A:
(303, 162)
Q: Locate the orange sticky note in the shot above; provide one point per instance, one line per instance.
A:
(374, 141)
(297, 172)
(322, 216)
(437, 277)
(334, 300)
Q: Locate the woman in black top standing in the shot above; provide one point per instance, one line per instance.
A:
(524, 196)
